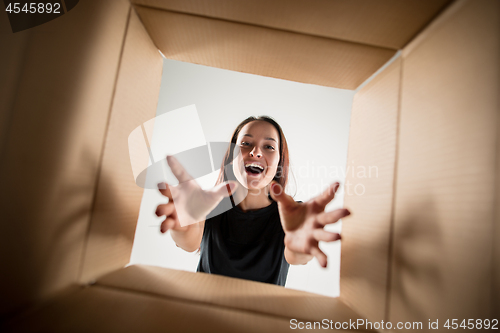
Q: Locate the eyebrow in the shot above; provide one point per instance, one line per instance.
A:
(250, 135)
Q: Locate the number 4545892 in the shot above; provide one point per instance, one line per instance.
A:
(34, 7)
(472, 324)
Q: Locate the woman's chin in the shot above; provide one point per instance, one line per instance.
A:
(253, 181)
(253, 186)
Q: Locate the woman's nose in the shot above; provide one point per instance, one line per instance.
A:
(256, 152)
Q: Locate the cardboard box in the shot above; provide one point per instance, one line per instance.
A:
(421, 244)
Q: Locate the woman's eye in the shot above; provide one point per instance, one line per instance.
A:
(270, 147)
(245, 144)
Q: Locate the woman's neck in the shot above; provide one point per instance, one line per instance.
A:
(255, 199)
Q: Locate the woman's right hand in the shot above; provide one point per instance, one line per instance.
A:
(187, 202)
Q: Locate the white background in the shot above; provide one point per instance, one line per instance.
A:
(314, 119)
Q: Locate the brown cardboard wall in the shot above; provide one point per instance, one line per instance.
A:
(496, 235)
(384, 23)
(262, 51)
(53, 146)
(445, 195)
(118, 198)
(12, 55)
(369, 194)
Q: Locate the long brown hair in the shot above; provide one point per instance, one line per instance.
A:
(283, 165)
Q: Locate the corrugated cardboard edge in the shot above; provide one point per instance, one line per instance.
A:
(117, 199)
(433, 26)
(374, 121)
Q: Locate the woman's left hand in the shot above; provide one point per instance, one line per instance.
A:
(304, 223)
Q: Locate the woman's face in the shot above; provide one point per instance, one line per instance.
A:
(256, 164)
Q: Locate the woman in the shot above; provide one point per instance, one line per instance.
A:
(249, 227)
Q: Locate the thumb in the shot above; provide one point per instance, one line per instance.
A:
(279, 195)
(225, 189)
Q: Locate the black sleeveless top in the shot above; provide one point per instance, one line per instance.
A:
(247, 245)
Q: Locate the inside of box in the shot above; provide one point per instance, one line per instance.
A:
(421, 247)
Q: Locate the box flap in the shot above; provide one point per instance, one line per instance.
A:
(389, 23)
(262, 51)
(231, 293)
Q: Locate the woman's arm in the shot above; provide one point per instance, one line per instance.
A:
(189, 240)
(187, 207)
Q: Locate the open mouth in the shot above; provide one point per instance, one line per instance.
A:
(254, 169)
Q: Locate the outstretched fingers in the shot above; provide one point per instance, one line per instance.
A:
(166, 225)
(165, 190)
(324, 198)
(165, 209)
(322, 235)
(320, 256)
(178, 170)
(333, 216)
